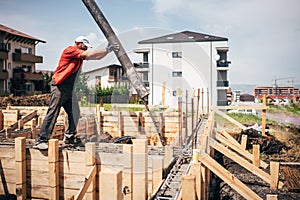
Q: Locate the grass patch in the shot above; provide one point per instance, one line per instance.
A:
(290, 110)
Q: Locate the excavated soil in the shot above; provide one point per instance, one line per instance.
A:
(282, 146)
(36, 100)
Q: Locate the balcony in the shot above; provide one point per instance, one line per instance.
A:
(141, 67)
(222, 83)
(29, 76)
(223, 63)
(24, 57)
(3, 52)
(3, 75)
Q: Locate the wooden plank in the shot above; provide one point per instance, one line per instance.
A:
(195, 170)
(7, 152)
(237, 147)
(189, 187)
(127, 179)
(53, 161)
(140, 169)
(227, 177)
(244, 163)
(238, 124)
(157, 172)
(87, 182)
(256, 155)
(244, 141)
(110, 184)
(274, 172)
(20, 158)
(90, 162)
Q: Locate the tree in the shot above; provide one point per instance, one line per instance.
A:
(81, 87)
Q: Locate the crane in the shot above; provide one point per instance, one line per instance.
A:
(282, 78)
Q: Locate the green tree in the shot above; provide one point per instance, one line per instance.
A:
(81, 87)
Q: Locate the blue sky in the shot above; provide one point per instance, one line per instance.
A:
(264, 35)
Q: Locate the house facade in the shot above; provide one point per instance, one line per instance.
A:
(183, 62)
(17, 63)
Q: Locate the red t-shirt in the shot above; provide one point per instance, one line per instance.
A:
(69, 63)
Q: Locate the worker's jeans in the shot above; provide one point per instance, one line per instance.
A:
(60, 97)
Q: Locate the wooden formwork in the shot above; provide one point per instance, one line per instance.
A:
(102, 171)
(195, 185)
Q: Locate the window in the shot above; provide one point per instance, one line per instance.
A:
(177, 54)
(113, 74)
(26, 50)
(177, 74)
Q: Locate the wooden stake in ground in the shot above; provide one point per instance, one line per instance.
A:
(20, 158)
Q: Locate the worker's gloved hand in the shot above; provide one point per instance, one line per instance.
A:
(112, 47)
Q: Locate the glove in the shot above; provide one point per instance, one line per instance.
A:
(112, 47)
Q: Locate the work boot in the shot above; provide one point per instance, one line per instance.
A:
(69, 137)
(41, 145)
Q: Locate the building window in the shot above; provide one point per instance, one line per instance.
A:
(113, 74)
(177, 54)
(177, 74)
(26, 50)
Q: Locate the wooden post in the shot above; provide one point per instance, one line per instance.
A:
(110, 184)
(33, 129)
(98, 113)
(162, 124)
(186, 114)
(264, 116)
(208, 105)
(180, 121)
(198, 102)
(140, 169)
(121, 125)
(90, 162)
(127, 171)
(163, 93)
(157, 171)
(256, 155)
(20, 160)
(244, 141)
(192, 130)
(274, 172)
(195, 170)
(20, 124)
(141, 124)
(53, 160)
(188, 187)
(202, 101)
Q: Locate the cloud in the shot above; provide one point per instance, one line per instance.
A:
(263, 35)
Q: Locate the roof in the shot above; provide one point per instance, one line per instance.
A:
(108, 66)
(184, 36)
(14, 34)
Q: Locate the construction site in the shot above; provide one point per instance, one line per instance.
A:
(190, 150)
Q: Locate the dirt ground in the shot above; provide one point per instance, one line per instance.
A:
(36, 100)
(281, 145)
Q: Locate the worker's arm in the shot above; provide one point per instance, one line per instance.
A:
(99, 54)
(94, 54)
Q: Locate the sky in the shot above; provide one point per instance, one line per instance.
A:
(264, 35)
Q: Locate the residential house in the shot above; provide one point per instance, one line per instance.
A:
(181, 63)
(17, 63)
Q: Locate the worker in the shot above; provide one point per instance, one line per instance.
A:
(62, 94)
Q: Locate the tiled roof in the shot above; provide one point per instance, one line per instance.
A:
(184, 36)
(11, 32)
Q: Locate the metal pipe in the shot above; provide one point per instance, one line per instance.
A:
(121, 54)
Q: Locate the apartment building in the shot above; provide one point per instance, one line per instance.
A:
(18, 57)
